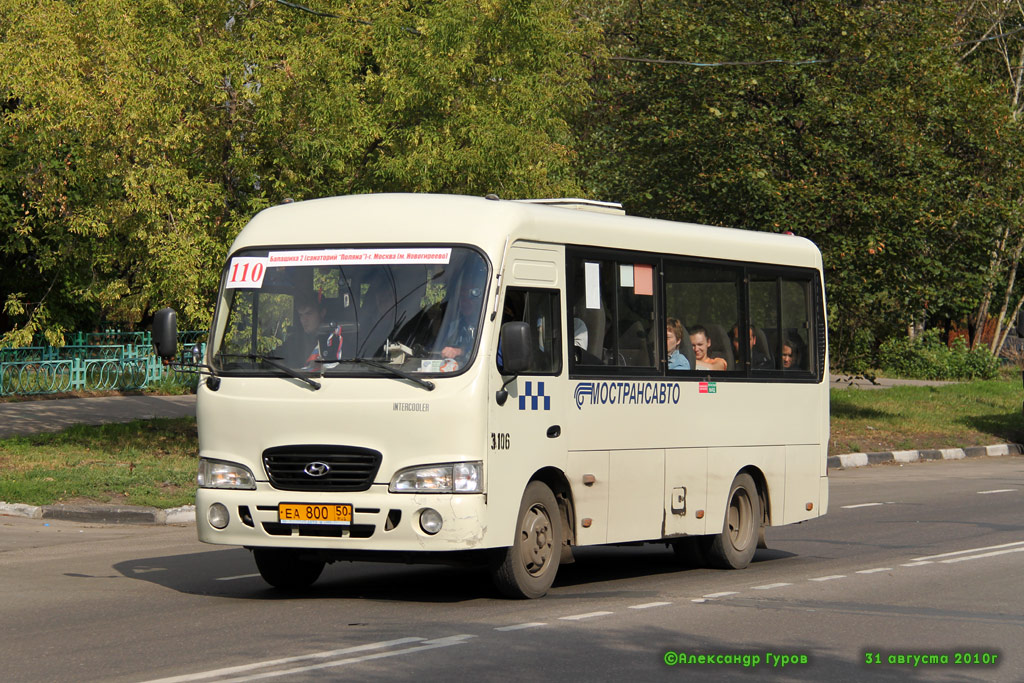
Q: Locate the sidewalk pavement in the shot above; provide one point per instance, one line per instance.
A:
(861, 382)
(30, 417)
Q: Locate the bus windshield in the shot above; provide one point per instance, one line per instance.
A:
(351, 310)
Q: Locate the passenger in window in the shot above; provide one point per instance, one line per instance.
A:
(790, 355)
(702, 350)
(759, 360)
(673, 337)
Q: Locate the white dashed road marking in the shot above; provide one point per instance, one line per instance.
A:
(520, 627)
(829, 578)
(588, 615)
(241, 576)
(875, 570)
(769, 586)
(997, 491)
(648, 605)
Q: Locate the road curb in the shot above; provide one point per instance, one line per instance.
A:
(103, 514)
(850, 460)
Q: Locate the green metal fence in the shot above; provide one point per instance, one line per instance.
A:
(95, 362)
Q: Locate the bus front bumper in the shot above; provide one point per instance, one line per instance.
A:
(381, 521)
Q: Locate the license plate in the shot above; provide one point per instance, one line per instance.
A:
(305, 513)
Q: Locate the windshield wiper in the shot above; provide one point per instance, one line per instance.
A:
(273, 361)
(426, 384)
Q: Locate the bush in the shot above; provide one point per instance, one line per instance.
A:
(174, 383)
(927, 357)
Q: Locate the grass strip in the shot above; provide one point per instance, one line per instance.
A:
(145, 462)
(903, 418)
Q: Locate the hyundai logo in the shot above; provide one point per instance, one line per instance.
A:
(317, 469)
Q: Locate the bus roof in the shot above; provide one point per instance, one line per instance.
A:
(487, 222)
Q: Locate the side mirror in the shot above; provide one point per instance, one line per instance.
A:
(165, 333)
(515, 347)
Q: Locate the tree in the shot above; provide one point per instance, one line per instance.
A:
(139, 136)
(851, 123)
(992, 46)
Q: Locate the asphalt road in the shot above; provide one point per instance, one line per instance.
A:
(917, 560)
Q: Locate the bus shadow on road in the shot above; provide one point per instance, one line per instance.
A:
(231, 573)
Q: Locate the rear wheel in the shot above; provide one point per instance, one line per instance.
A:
(527, 569)
(735, 546)
(287, 569)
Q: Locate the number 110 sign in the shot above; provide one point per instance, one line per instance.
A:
(246, 272)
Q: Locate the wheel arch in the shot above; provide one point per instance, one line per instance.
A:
(761, 482)
(556, 480)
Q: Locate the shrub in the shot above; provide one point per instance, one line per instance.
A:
(927, 357)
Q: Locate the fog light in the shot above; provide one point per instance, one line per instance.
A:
(218, 516)
(430, 521)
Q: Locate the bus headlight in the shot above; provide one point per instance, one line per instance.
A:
(452, 477)
(214, 474)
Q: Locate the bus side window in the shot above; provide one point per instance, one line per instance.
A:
(706, 297)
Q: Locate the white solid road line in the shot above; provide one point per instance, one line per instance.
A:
(978, 557)
(425, 645)
(203, 675)
(968, 551)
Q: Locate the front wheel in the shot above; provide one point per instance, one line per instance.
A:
(286, 569)
(527, 569)
(735, 546)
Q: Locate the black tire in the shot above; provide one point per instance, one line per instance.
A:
(287, 569)
(735, 546)
(527, 568)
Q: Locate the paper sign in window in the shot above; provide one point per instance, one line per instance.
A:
(643, 279)
(592, 282)
(246, 272)
(625, 275)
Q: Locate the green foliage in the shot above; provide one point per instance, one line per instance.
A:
(895, 158)
(137, 137)
(928, 357)
(174, 384)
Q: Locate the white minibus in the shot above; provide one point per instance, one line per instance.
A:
(444, 379)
